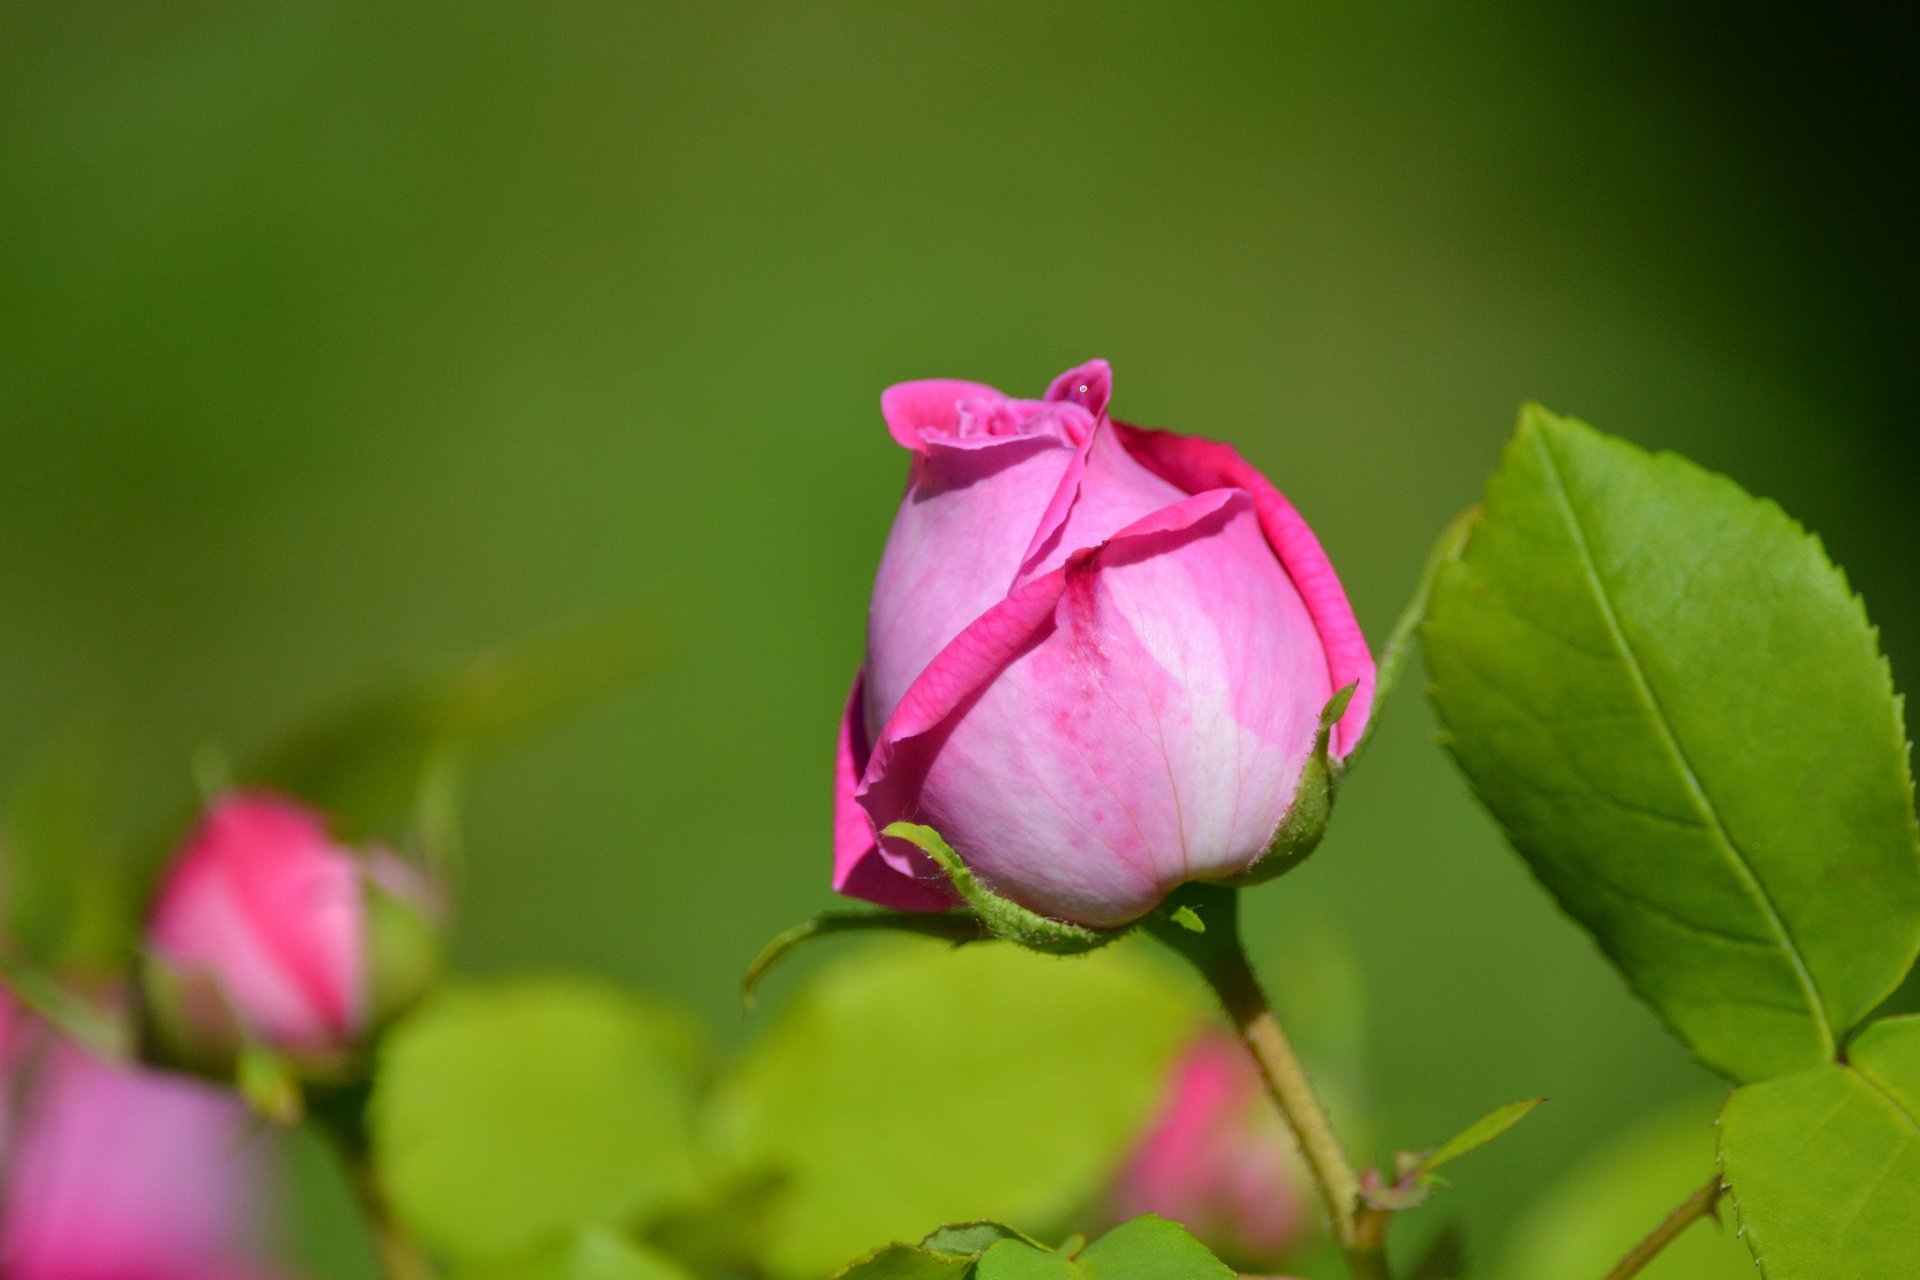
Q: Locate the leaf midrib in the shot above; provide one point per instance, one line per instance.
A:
(1657, 714)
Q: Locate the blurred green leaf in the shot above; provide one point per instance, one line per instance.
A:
(589, 1255)
(1017, 1260)
(1824, 1166)
(908, 1262)
(1677, 710)
(401, 753)
(1478, 1134)
(908, 1085)
(1587, 1220)
(505, 1112)
(1150, 1248)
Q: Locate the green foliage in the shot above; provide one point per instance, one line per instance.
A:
(1677, 710)
(505, 1112)
(1586, 1220)
(587, 1255)
(1824, 1166)
(400, 754)
(1478, 1134)
(1146, 1248)
(1002, 917)
(907, 1084)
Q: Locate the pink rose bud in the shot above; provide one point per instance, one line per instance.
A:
(267, 929)
(1096, 659)
(117, 1173)
(1219, 1161)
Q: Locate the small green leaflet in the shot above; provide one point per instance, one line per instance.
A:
(1824, 1166)
(1676, 708)
(1479, 1133)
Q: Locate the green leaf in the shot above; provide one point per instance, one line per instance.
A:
(908, 1262)
(908, 1084)
(1151, 1248)
(589, 1255)
(506, 1112)
(1478, 1134)
(1147, 1248)
(1677, 710)
(1585, 1221)
(1824, 1166)
(947, 1254)
(1016, 1260)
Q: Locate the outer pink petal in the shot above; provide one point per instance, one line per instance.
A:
(263, 899)
(858, 869)
(1196, 465)
(913, 408)
(1085, 771)
(954, 550)
(124, 1174)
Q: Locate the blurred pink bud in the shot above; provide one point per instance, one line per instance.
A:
(1219, 1161)
(118, 1173)
(1096, 658)
(280, 918)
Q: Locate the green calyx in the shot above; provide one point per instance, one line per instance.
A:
(1001, 917)
(1306, 821)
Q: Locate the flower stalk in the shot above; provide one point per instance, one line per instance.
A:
(1201, 922)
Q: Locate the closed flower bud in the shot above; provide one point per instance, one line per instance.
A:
(268, 931)
(1218, 1159)
(1097, 657)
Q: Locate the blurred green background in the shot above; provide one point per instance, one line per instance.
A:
(337, 340)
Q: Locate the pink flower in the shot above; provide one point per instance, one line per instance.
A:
(275, 912)
(1219, 1161)
(1096, 658)
(118, 1173)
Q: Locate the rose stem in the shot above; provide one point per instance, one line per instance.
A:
(1222, 961)
(1699, 1205)
(340, 1117)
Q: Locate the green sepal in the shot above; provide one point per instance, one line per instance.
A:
(1001, 917)
(270, 1083)
(1312, 808)
(182, 1019)
(404, 952)
(954, 926)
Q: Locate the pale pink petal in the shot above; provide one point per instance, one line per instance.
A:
(124, 1174)
(954, 550)
(1195, 465)
(1101, 493)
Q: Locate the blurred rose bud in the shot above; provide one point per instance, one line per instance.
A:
(1096, 658)
(268, 931)
(117, 1173)
(1218, 1160)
